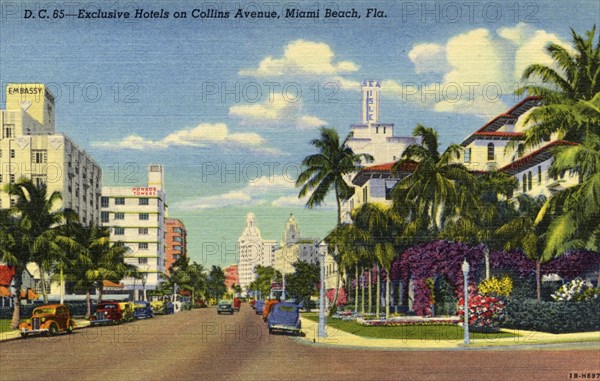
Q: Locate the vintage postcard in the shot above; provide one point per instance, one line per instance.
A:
(290, 190)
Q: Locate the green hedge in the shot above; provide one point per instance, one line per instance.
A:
(77, 309)
(553, 317)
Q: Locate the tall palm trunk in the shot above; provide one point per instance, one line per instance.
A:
(378, 293)
(18, 281)
(88, 302)
(362, 290)
(538, 279)
(43, 283)
(387, 293)
(356, 289)
(486, 253)
(370, 289)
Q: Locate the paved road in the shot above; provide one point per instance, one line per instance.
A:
(201, 345)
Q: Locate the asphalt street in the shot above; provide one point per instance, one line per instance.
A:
(201, 345)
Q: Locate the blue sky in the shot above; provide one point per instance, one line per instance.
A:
(228, 106)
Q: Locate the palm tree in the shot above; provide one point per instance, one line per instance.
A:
(379, 223)
(34, 204)
(325, 171)
(15, 251)
(482, 212)
(431, 192)
(103, 260)
(574, 76)
(527, 232)
(578, 207)
(348, 241)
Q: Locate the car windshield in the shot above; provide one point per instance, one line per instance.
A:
(43, 311)
(287, 309)
(107, 306)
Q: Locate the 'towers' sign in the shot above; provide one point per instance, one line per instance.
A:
(147, 191)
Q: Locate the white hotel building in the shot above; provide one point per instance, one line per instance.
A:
(136, 217)
(253, 251)
(31, 148)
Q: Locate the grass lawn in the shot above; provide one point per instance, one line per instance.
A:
(5, 325)
(409, 332)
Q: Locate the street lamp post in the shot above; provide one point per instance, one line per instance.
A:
(322, 332)
(465, 271)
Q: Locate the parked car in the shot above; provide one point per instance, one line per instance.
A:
(284, 317)
(127, 312)
(267, 309)
(252, 303)
(107, 312)
(158, 307)
(48, 319)
(170, 308)
(237, 304)
(259, 306)
(142, 310)
(225, 306)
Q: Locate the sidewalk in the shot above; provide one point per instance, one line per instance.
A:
(11, 335)
(525, 339)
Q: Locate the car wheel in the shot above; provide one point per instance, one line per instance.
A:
(270, 330)
(53, 330)
(23, 335)
(219, 312)
(70, 328)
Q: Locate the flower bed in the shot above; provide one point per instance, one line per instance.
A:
(408, 320)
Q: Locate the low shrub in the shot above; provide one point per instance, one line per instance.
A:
(76, 308)
(553, 317)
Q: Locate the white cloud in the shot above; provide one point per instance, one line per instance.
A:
(202, 135)
(257, 191)
(478, 67)
(429, 58)
(276, 113)
(307, 122)
(302, 57)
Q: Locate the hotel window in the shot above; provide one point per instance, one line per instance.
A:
(177, 230)
(144, 201)
(365, 194)
(143, 231)
(119, 216)
(529, 180)
(39, 156)
(143, 245)
(119, 201)
(539, 174)
(491, 153)
(104, 202)
(468, 155)
(12, 153)
(0, 177)
(119, 231)
(104, 217)
(142, 261)
(524, 183)
(144, 216)
(176, 257)
(177, 239)
(177, 247)
(12, 178)
(9, 131)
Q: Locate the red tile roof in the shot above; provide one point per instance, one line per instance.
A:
(530, 159)
(500, 134)
(6, 275)
(387, 167)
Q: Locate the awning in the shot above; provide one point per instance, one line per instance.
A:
(31, 295)
(109, 284)
(4, 291)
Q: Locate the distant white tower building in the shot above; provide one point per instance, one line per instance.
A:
(253, 251)
(294, 248)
